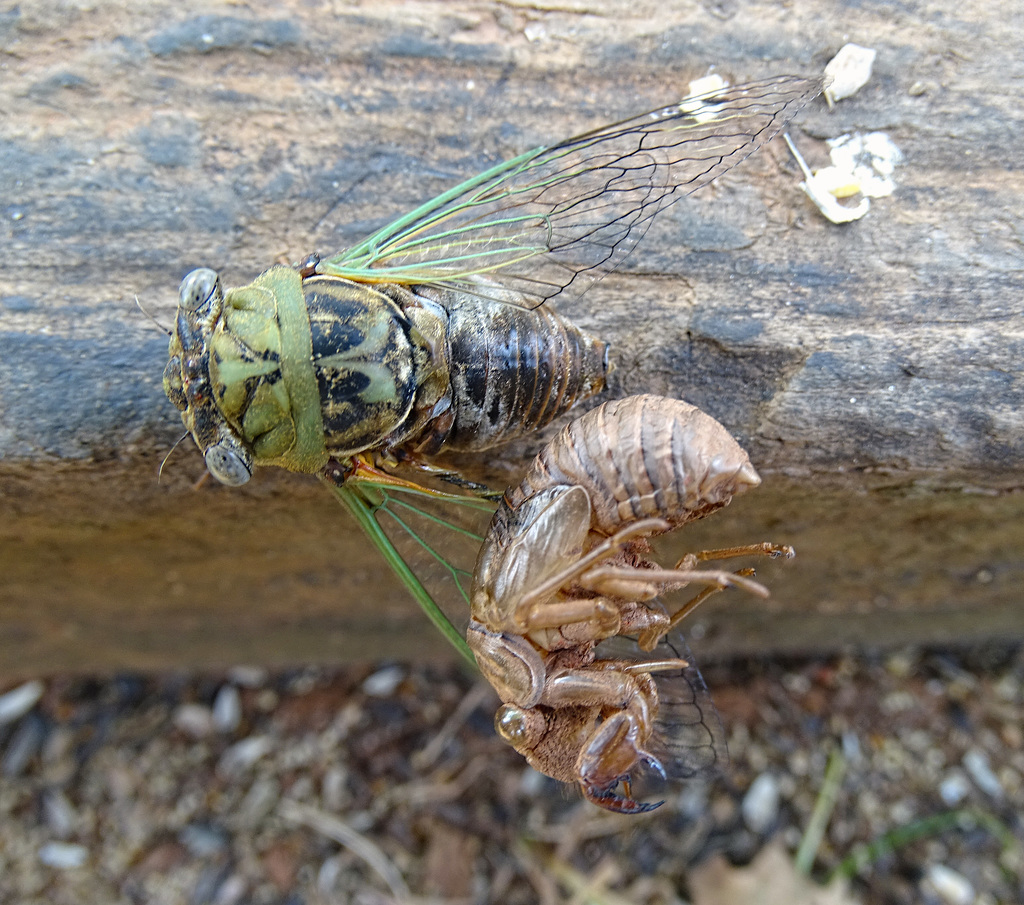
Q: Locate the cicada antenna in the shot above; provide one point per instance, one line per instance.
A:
(334, 205)
(170, 452)
(162, 329)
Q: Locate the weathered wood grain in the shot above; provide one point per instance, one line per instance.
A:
(872, 370)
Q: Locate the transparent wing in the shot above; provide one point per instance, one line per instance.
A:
(688, 738)
(556, 218)
(429, 538)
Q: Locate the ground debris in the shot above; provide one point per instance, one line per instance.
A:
(327, 790)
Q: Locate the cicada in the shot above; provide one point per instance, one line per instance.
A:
(433, 333)
(566, 566)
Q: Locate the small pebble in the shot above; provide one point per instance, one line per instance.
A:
(900, 664)
(209, 883)
(231, 891)
(383, 682)
(898, 702)
(227, 709)
(788, 786)
(796, 683)
(977, 765)
(954, 787)
(334, 788)
(1010, 780)
(760, 806)
(799, 763)
(901, 812)
(14, 704)
(302, 788)
(851, 747)
(1012, 736)
(267, 699)
(791, 836)
(919, 741)
(58, 745)
(203, 840)
(1008, 688)
(59, 815)
(63, 855)
(195, 720)
(242, 755)
(952, 887)
(24, 744)
(328, 875)
(723, 809)
(259, 801)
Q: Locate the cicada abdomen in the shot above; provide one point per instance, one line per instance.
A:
(515, 370)
(294, 370)
(643, 457)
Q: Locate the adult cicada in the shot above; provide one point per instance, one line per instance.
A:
(565, 576)
(433, 333)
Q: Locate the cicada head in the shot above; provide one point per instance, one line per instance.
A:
(187, 379)
(226, 374)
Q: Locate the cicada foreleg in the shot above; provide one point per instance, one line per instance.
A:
(628, 701)
(584, 619)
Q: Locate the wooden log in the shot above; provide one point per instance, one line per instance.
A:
(872, 370)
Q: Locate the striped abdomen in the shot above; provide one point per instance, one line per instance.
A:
(643, 457)
(514, 370)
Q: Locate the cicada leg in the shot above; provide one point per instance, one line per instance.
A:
(602, 615)
(773, 551)
(649, 638)
(475, 488)
(631, 583)
(618, 744)
(608, 547)
(609, 755)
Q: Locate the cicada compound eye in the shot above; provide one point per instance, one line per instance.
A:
(227, 465)
(511, 724)
(197, 288)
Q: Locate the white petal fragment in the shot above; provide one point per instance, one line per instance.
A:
(849, 71)
(819, 192)
(861, 164)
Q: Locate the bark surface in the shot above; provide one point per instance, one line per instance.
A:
(872, 371)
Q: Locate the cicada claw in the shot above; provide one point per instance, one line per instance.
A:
(651, 762)
(610, 800)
